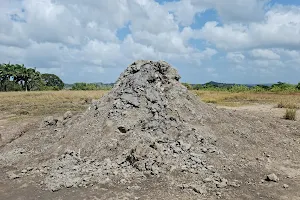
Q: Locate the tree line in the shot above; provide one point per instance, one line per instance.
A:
(214, 86)
(16, 77)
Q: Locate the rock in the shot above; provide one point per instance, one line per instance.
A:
(272, 177)
(68, 115)
(197, 160)
(207, 180)
(233, 184)
(54, 187)
(186, 146)
(11, 175)
(29, 169)
(222, 184)
(204, 150)
(24, 171)
(134, 187)
(285, 186)
(198, 189)
(25, 185)
(49, 121)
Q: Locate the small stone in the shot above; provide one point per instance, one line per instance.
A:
(233, 184)
(272, 177)
(173, 168)
(184, 168)
(49, 121)
(285, 186)
(29, 169)
(134, 187)
(11, 175)
(25, 185)
(198, 189)
(123, 181)
(24, 171)
(55, 188)
(197, 160)
(207, 180)
(68, 115)
(177, 150)
(185, 146)
(204, 150)
(221, 185)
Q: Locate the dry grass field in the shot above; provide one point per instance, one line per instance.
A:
(46, 102)
(29, 106)
(33, 104)
(281, 100)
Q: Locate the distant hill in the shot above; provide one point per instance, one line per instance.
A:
(224, 85)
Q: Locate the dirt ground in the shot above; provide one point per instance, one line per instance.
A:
(250, 158)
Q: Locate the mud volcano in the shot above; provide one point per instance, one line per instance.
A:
(148, 125)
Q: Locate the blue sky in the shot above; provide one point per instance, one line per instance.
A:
(236, 41)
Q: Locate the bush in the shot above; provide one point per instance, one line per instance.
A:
(289, 105)
(239, 88)
(283, 87)
(259, 88)
(85, 86)
(290, 114)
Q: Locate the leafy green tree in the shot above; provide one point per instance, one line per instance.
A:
(259, 88)
(17, 77)
(85, 86)
(281, 86)
(6, 72)
(52, 81)
(239, 88)
(298, 86)
(197, 87)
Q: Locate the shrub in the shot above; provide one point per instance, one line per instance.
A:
(290, 114)
(283, 87)
(289, 105)
(259, 88)
(239, 88)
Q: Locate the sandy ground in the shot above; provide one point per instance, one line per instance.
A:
(256, 156)
(261, 110)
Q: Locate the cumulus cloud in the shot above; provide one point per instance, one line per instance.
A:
(280, 28)
(265, 54)
(235, 57)
(91, 40)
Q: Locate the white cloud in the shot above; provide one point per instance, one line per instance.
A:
(235, 57)
(74, 37)
(265, 54)
(281, 29)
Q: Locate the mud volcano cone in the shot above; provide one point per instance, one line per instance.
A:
(147, 125)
